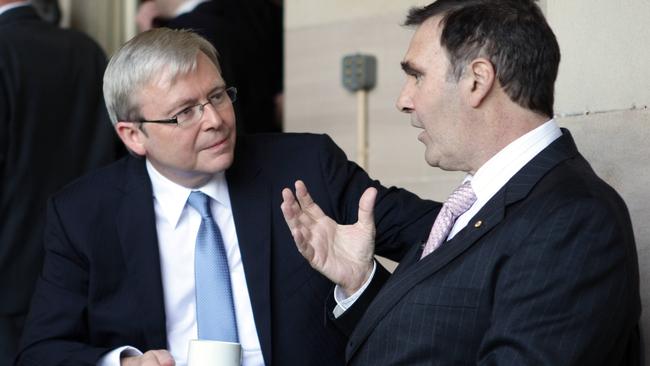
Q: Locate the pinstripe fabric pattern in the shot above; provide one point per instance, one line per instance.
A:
(549, 278)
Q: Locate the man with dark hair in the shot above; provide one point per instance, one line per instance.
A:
(532, 260)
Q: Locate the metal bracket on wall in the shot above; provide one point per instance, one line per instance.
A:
(359, 75)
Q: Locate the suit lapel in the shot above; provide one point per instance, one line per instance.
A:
(413, 271)
(251, 207)
(136, 225)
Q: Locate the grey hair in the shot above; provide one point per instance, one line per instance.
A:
(157, 53)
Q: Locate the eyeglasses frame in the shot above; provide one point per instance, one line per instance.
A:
(230, 91)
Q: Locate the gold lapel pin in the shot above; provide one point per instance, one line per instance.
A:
(478, 224)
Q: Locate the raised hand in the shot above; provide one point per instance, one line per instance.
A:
(343, 253)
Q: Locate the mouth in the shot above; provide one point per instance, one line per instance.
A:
(218, 145)
(415, 123)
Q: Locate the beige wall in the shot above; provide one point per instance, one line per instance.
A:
(110, 23)
(317, 102)
(309, 13)
(605, 54)
(602, 93)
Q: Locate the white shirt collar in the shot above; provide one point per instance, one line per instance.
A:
(497, 171)
(10, 6)
(172, 197)
(188, 6)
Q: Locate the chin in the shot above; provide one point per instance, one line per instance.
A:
(224, 162)
(431, 160)
(215, 160)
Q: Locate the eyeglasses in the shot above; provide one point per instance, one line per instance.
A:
(192, 114)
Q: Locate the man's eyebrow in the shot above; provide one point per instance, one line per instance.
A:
(217, 88)
(181, 103)
(409, 69)
(194, 101)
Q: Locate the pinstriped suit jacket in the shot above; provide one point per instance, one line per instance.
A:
(545, 274)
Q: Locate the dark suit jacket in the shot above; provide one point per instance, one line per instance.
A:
(546, 273)
(248, 36)
(53, 128)
(101, 282)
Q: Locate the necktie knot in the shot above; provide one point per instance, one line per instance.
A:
(461, 199)
(201, 203)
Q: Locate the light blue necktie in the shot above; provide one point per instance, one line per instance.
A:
(215, 311)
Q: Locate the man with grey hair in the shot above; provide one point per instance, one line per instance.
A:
(185, 239)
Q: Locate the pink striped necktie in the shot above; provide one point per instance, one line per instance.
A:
(459, 201)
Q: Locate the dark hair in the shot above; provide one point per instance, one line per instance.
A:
(512, 34)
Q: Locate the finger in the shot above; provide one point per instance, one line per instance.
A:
(287, 196)
(290, 200)
(302, 237)
(303, 246)
(147, 359)
(306, 202)
(164, 357)
(298, 238)
(293, 214)
(289, 206)
(367, 206)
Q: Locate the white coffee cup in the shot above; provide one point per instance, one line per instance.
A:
(213, 353)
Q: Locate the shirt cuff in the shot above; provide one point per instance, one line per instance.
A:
(343, 303)
(113, 357)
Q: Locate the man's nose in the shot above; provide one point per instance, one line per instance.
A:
(404, 102)
(212, 115)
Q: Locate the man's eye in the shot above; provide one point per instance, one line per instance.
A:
(186, 112)
(216, 97)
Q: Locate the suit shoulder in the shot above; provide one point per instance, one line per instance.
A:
(575, 179)
(290, 153)
(286, 141)
(573, 186)
(95, 184)
(286, 138)
(47, 37)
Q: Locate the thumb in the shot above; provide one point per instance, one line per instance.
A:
(366, 207)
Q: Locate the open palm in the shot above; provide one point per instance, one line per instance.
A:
(343, 253)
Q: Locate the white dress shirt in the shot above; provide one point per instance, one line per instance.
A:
(487, 181)
(177, 225)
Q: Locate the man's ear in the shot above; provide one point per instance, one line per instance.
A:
(480, 78)
(132, 137)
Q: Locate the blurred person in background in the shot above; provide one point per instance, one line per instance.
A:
(53, 127)
(249, 38)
